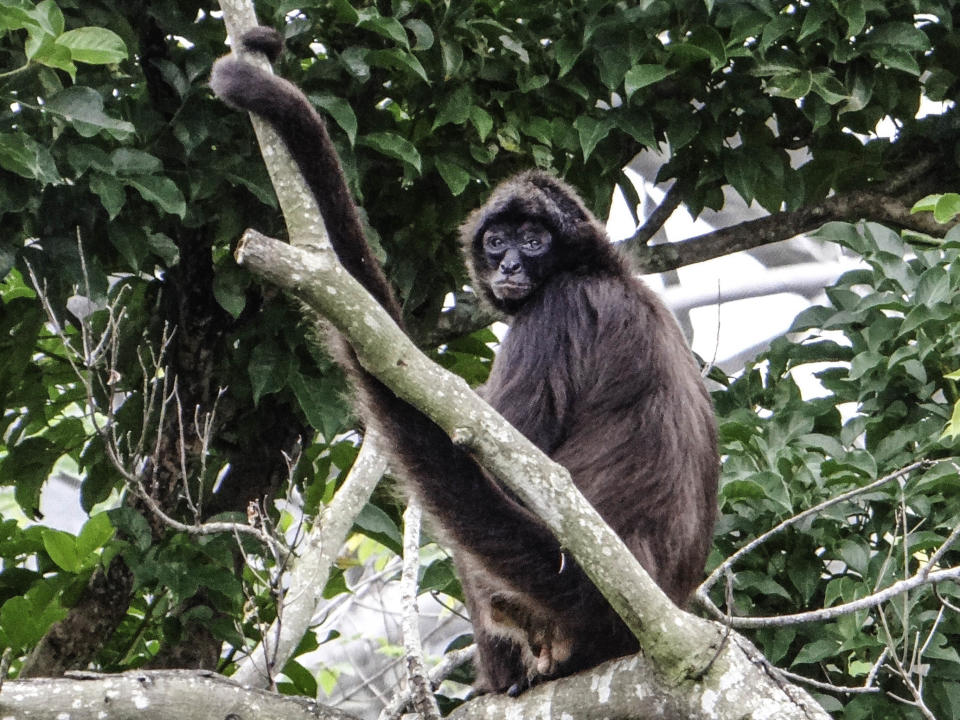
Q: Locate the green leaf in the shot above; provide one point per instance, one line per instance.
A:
(897, 59)
(161, 191)
(482, 121)
(455, 109)
(21, 154)
(394, 146)
(455, 176)
(387, 27)
(452, 58)
(702, 43)
(27, 466)
(43, 49)
(82, 107)
(25, 619)
(640, 76)
(829, 88)
(516, 48)
(591, 131)
(865, 362)
(342, 113)
(230, 288)
(903, 35)
(94, 534)
(399, 60)
(303, 680)
(934, 286)
(376, 524)
(110, 191)
(132, 526)
(94, 45)
(130, 161)
(16, 16)
(62, 549)
(268, 369)
(567, 50)
(322, 403)
(793, 85)
(49, 17)
(613, 62)
(422, 33)
(164, 248)
(816, 15)
(947, 207)
(816, 651)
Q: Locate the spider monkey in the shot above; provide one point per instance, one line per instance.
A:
(594, 370)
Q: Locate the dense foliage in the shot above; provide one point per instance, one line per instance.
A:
(123, 180)
(882, 350)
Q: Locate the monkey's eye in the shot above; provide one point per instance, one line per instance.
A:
(532, 242)
(493, 242)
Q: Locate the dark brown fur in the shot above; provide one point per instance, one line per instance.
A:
(594, 371)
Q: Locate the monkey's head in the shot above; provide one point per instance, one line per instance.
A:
(532, 228)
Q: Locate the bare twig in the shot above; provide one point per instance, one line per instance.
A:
(904, 674)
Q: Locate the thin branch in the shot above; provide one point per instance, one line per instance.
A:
(835, 611)
(905, 675)
(658, 217)
(941, 551)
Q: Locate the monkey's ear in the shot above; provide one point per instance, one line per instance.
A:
(265, 40)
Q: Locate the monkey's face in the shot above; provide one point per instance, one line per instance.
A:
(518, 257)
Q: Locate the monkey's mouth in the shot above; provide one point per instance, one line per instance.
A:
(511, 290)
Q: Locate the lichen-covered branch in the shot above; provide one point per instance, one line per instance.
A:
(157, 695)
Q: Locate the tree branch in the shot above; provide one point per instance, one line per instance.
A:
(850, 207)
(658, 217)
(157, 695)
(420, 688)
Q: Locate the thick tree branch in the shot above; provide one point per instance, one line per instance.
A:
(157, 695)
(850, 207)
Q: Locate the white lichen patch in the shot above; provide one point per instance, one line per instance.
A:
(331, 290)
(767, 711)
(63, 716)
(708, 703)
(140, 700)
(602, 683)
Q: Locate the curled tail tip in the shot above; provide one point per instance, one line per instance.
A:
(265, 40)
